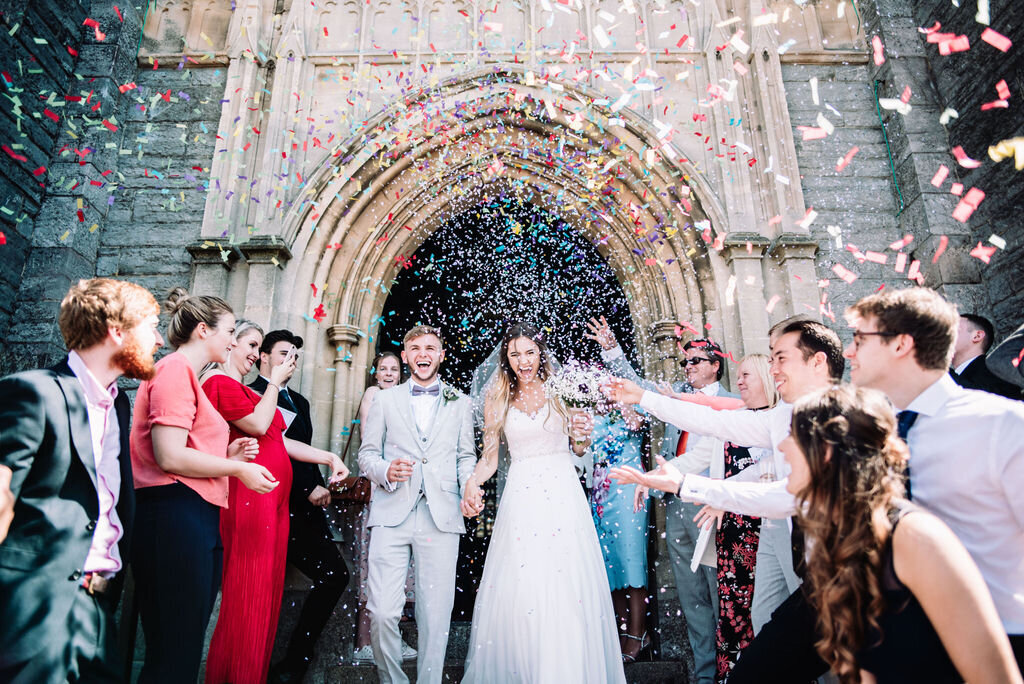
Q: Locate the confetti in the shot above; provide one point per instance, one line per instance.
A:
(968, 204)
(878, 50)
(963, 160)
(1004, 149)
(943, 243)
(940, 176)
(983, 253)
(996, 40)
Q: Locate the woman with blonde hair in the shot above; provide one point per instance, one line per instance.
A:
(254, 528)
(897, 596)
(544, 610)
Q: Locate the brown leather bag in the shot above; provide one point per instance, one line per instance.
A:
(353, 489)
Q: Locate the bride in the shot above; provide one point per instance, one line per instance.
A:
(544, 610)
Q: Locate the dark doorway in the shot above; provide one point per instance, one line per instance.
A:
(500, 262)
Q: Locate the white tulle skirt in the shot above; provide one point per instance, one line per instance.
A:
(544, 610)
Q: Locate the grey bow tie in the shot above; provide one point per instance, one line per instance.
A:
(417, 390)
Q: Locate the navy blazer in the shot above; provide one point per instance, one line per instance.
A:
(978, 376)
(45, 440)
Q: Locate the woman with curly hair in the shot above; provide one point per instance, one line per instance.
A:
(897, 597)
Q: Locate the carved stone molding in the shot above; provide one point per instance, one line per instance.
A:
(663, 330)
(744, 246)
(209, 253)
(793, 246)
(344, 338)
(266, 249)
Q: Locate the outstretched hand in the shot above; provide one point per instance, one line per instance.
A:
(623, 391)
(665, 477)
(601, 333)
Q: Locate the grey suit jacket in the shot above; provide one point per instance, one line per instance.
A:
(444, 458)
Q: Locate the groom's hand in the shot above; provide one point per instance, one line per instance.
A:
(400, 470)
(472, 500)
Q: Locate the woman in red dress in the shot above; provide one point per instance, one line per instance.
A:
(254, 527)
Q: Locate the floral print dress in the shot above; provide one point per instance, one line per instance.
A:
(737, 555)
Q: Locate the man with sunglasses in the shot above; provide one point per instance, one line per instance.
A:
(703, 363)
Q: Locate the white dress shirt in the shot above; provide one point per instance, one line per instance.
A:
(423, 406)
(104, 557)
(744, 493)
(967, 467)
(959, 370)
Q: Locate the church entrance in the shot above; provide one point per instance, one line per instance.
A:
(504, 260)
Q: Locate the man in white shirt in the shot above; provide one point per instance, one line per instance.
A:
(806, 356)
(967, 447)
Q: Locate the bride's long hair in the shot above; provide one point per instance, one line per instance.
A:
(504, 388)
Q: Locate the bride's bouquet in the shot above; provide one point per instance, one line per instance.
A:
(578, 385)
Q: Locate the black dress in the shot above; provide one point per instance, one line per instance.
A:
(906, 648)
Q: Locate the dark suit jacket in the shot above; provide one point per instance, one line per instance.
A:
(305, 476)
(45, 439)
(978, 376)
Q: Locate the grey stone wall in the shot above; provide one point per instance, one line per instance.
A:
(964, 81)
(860, 199)
(158, 206)
(35, 38)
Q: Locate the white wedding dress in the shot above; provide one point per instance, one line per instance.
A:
(544, 610)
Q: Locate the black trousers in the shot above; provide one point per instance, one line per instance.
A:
(312, 550)
(783, 651)
(90, 655)
(177, 559)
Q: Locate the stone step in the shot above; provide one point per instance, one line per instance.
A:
(664, 672)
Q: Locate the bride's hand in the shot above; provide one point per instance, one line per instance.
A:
(472, 499)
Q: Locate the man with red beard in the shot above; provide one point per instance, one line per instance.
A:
(64, 436)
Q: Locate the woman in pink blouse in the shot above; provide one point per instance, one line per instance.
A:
(182, 460)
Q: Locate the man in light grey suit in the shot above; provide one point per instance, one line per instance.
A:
(698, 591)
(418, 448)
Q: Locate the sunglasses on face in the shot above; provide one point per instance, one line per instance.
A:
(695, 361)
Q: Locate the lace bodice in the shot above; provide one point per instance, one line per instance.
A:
(533, 436)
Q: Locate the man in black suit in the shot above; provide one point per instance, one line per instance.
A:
(64, 437)
(974, 337)
(311, 546)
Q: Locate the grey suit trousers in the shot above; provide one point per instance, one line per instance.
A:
(698, 591)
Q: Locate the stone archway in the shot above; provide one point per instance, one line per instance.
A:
(375, 210)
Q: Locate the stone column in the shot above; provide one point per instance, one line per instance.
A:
(795, 254)
(744, 252)
(663, 334)
(212, 264)
(266, 256)
(344, 338)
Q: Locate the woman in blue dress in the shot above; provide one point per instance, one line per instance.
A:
(622, 532)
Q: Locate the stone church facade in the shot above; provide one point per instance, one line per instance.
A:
(290, 155)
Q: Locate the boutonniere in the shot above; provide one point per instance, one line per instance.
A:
(449, 394)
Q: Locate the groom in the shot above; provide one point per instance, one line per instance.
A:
(418, 448)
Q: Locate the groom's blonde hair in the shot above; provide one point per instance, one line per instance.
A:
(420, 331)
